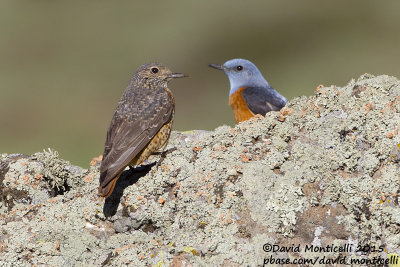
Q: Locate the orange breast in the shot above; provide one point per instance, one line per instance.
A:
(239, 106)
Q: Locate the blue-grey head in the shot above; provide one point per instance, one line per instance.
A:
(241, 73)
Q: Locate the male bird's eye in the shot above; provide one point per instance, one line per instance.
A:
(154, 70)
(239, 68)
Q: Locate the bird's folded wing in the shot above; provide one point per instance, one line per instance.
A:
(262, 100)
(127, 137)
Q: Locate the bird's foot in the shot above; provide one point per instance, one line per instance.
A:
(163, 155)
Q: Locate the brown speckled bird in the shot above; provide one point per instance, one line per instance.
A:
(141, 124)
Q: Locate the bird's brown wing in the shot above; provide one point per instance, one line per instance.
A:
(137, 119)
(262, 100)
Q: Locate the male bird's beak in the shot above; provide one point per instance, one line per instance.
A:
(177, 75)
(216, 66)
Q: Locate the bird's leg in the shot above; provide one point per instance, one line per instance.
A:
(163, 155)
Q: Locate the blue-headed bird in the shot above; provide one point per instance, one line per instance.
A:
(250, 93)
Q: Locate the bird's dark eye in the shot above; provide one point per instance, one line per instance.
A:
(154, 70)
(239, 68)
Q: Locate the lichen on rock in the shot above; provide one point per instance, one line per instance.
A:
(60, 174)
(321, 171)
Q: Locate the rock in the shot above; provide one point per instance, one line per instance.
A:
(122, 225)
(324, 171)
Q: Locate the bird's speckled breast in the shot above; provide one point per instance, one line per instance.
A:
(158, 143)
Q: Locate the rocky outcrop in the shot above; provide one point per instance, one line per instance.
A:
(323, 172)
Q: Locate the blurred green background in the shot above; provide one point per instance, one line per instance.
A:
(64, 65)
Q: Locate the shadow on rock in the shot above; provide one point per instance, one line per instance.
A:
(127, 178)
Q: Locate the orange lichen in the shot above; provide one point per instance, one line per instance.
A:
(303, 112)
(3, 247)
(95, 160)
(244, 158)
(285, 111)
(228, 219)
(258, 116)
(57, 246)
(88, 178)
(319, 87)
(221, 148)
(210, 185)
(368, 107)
(239, 169)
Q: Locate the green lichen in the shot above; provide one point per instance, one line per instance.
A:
(59, 173)
(54, 167)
